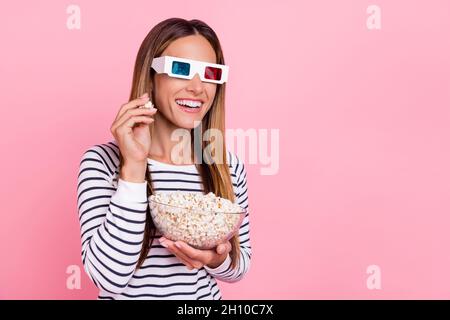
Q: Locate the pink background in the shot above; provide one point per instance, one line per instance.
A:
(363, 115)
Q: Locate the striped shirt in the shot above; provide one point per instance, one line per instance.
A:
(112, 218)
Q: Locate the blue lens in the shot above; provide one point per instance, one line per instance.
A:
(181, 68)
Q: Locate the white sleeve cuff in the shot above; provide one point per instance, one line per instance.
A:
(224, 266)
(131, 191)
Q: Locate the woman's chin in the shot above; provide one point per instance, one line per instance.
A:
(187, 124)
(189, 121)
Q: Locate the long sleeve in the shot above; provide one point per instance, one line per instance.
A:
(112, 222)
(224, 272)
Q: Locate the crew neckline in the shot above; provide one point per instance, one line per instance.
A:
(159, 163)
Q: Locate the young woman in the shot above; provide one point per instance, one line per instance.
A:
(122, 252)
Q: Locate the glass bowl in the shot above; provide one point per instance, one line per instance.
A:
(202, 229)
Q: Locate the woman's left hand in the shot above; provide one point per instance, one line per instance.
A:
(195, 258)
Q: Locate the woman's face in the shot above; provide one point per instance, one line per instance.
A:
(168, 89)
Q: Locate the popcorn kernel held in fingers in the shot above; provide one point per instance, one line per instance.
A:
(149, 105)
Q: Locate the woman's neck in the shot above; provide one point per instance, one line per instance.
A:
(162, 143)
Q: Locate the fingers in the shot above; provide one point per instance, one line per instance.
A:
(181, 257)
(137, 119)
(132, 105)
(129, 114)
(224, 248)
(205, 257)
(193, 263)
(191, 252)
(170, 245)
(196, 258)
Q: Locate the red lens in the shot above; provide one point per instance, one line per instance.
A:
(213, 73)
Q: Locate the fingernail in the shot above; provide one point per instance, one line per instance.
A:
(178, 245)
(144, 95)
(165, 245)
(162, 241)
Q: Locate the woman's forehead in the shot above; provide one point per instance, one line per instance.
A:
(194, 47)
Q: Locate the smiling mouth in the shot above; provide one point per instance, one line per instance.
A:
(192, 104)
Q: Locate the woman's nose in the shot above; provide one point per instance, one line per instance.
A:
(195, 84)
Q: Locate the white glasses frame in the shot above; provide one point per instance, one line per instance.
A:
(164, 65)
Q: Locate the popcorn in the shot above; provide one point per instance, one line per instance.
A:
(148, 105)
(201, 220)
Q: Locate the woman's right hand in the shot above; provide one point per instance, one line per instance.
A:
(131, 129)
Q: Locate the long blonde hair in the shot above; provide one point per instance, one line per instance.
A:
(215, 176)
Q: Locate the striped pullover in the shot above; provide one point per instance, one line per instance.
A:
(112, 214)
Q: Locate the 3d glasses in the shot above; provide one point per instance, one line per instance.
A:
(187, 68)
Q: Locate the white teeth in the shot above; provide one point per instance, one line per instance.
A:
(189, 103)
